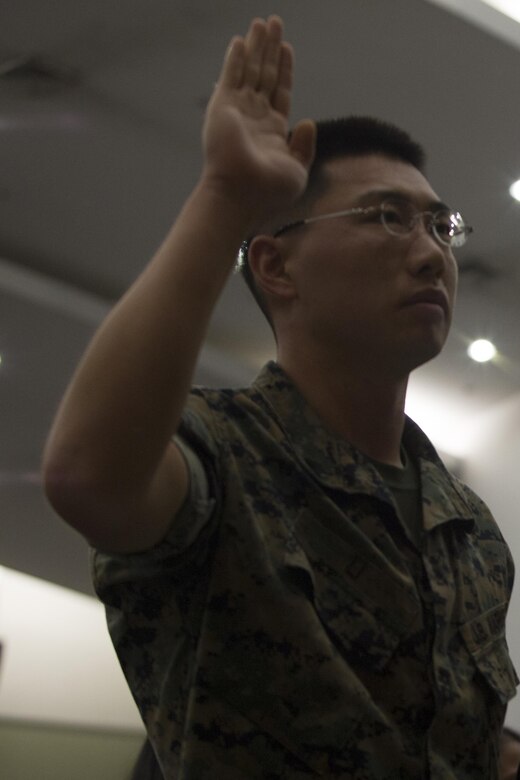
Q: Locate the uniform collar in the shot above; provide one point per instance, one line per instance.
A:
(337, 464)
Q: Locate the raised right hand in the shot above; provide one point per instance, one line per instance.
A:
(247, 154)
(110, 467)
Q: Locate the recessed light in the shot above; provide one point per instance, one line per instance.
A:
(482, 350)
(514, 190)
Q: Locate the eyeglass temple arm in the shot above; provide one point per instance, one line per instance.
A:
(318, 218)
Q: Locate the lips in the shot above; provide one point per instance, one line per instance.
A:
(432, 296)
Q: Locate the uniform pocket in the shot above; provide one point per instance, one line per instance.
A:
(367, 609)
(484, 639)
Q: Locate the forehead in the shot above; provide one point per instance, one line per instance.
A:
(351, 178)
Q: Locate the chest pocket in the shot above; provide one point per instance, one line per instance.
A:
(367, 609)
(485, 641)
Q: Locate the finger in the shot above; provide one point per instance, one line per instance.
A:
(233, 68)
(254, 45)
(268, 77)
(302, 143)
(281, 96)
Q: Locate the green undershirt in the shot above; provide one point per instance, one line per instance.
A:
(405, 485)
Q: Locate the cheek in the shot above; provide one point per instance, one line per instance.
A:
(344, 271)
(452, 280)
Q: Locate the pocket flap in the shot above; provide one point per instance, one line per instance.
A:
(485, 640)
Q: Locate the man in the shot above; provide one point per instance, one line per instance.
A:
(295, 585)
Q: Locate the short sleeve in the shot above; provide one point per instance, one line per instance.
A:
(198, 505)
(190, 525)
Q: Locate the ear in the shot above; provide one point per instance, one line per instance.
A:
(268, 262)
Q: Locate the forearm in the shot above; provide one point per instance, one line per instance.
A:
(126, 397)
(108, 467)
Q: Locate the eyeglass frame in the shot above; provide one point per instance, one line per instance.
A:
(464, 232)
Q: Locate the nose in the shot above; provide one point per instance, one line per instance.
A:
(428, 256)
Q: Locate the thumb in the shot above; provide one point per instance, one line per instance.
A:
(302, 142)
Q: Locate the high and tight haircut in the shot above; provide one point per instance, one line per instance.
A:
(353, 136)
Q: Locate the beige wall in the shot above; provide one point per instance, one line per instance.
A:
(52, 752)
(493, 471)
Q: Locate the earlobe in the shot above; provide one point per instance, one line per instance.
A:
(268, 263)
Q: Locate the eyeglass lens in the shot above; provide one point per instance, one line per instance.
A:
(400, 218)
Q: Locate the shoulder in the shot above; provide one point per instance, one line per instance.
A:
(486, 524)
(213, 414)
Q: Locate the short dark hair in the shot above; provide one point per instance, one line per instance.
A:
(353, 136)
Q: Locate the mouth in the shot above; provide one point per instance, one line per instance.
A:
(431, 298)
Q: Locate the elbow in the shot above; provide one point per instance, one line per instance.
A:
(67, 490)
(90, 503)
(74, 490)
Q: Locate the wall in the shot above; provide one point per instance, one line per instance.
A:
(54, 752)
(65, 710)
(58, 664)
(492, 470)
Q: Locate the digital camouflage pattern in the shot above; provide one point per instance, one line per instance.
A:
(302, 634)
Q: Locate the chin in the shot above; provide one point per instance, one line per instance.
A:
(427, 344)
(423, 354)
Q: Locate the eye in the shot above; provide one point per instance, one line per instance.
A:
(393, 214)
(445, 225)
(397, 216)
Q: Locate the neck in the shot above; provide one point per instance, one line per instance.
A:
(363, 406)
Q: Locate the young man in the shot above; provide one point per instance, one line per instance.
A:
(295, 585)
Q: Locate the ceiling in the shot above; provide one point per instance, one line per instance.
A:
(101, 105)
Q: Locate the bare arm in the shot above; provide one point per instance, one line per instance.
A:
(110, 468)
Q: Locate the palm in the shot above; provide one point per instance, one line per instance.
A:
(245, 134)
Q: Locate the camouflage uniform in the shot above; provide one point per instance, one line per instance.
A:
(301, 634)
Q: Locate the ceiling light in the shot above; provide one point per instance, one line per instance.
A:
(514, 190)
(482, 350)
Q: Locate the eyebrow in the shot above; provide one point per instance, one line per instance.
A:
(368, 198)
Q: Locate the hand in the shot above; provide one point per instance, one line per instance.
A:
(245, 133)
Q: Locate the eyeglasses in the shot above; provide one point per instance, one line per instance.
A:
(399, 218)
